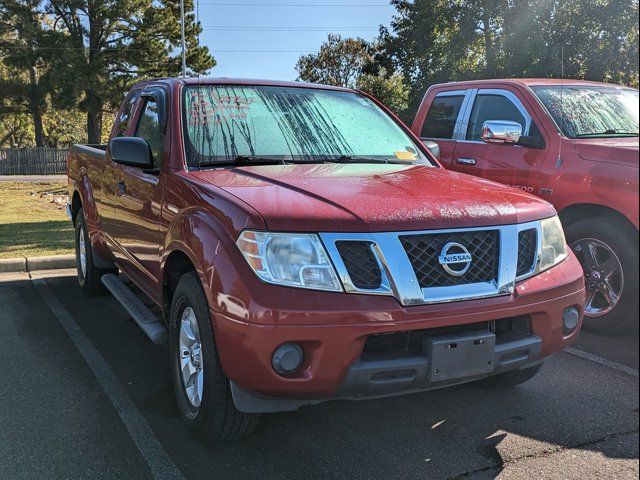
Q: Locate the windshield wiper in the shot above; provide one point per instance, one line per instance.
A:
(355, 159)
(611, 131)
(244, 160)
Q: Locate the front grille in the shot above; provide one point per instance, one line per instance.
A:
(360, 263)
(423, 251)
(527, 246)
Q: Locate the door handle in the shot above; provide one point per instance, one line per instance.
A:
(121, 188)
(466, 161)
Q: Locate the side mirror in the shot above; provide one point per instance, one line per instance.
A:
(433, 147)
(131, 151)
(501, 131)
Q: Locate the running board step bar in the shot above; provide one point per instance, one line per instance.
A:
(145, 318)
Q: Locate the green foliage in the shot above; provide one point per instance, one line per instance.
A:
(390, 90)
(353, 63)
(433, 41)
(72, 56)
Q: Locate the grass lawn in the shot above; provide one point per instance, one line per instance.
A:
(33, 221)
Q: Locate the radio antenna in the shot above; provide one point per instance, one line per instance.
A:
(199, 29)
(182, 40)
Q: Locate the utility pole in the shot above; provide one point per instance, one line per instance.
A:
(184, 47)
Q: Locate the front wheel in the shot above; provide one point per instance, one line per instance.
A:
(608, 254)
(202, 390)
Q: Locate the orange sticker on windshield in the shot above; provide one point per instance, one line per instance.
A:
(404, 155)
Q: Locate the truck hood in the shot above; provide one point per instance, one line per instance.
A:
(621, 151)
(364, 197)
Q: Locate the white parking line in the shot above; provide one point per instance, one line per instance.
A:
(602, 361)
(159, 462)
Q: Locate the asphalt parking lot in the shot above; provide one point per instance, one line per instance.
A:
(83, 394)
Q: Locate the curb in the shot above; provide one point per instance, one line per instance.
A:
(13, 265)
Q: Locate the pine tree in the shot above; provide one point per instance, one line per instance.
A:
(26, 47)
(112, 43)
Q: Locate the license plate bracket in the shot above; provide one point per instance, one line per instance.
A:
(459, 355)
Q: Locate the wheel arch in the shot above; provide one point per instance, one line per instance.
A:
(192, 243)
(583, 211)
(76, 205)
(177, 264)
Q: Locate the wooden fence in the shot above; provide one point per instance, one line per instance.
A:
(33, 161)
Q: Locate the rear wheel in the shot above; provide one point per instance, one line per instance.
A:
(202, 390)
(608, 253)
(510, 379)
(88, 274)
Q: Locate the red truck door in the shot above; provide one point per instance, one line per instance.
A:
(139, 199)
(508, 164)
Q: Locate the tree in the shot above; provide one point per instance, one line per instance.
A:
(354, 63)
(110, 43)
(26, 50)
(434, 41)
(339, 62)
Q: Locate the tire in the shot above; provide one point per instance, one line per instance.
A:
(606, 235)
(211, 414)
(511, 378)
(88, 274)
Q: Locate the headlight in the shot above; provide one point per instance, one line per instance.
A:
(554, 246)
(291, 259)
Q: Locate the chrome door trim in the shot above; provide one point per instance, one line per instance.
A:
(462, 136)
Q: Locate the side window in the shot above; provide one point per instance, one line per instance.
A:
(149, 129)
(491, 107)
(441, 117)
(125, 116)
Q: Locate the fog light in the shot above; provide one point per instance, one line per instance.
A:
(287, 358)
(570, 319)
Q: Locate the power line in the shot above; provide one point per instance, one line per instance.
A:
(296, 4)
(290, 29)
(148, 49)
(254, 4)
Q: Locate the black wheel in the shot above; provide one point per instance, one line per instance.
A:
(510, 379)
(608, 253)
(88, 274)
(202, 390)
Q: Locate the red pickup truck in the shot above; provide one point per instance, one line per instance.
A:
(573, 143)
(302, 245)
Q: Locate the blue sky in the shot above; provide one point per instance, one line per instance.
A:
(264, 38)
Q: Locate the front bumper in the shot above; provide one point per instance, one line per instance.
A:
(333, 338)
(378, 375)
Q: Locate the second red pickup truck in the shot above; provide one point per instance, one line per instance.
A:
(302, 245)
(571, 142)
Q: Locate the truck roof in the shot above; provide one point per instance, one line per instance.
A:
(529, 82)
(243, 81)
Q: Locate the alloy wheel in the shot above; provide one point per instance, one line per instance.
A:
(604, 277)
(190, 356)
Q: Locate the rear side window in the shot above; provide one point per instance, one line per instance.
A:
(127, 113)
(491, 107)
(442, 116)
(149, 129)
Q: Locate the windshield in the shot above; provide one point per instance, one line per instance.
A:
(228, 123)
(583, 112)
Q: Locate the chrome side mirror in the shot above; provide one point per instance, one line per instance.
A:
(433, 147)
(501, 131)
